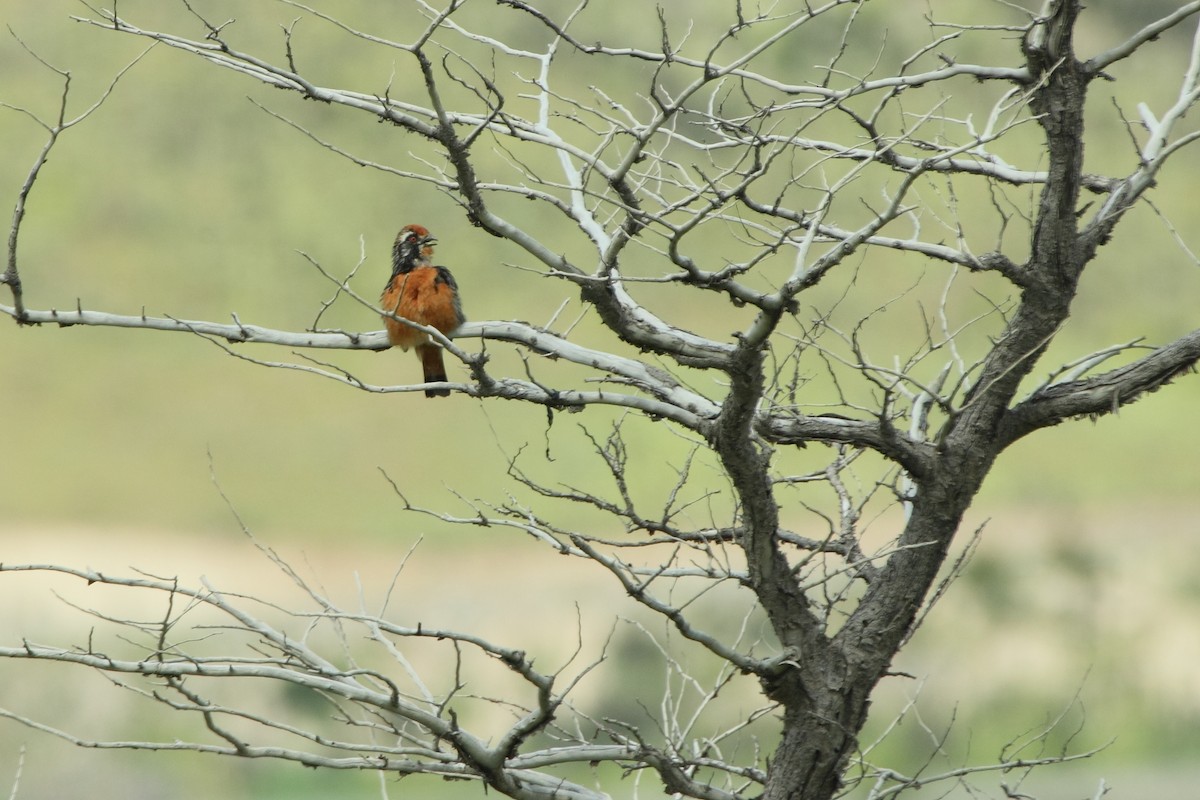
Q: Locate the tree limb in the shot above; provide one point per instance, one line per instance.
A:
(1102, 394)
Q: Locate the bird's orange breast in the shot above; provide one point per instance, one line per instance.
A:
(425, 295)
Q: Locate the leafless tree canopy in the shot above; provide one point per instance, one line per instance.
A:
(718, 165)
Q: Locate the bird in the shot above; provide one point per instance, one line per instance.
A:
(425, 294)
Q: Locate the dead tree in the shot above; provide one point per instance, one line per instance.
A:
(708, 160)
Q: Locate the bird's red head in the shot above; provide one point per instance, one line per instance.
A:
(413, 248)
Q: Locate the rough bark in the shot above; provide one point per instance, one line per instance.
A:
(827, 691)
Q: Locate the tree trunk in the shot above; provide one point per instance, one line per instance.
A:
(827, 692)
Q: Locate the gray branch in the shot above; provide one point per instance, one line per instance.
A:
(1102, 394)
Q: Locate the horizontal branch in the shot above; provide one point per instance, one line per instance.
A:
(338, 685)
(665, 389)
(235, 332)
(970, 163)
(1102, 394)
(796, 428)
(536, 785)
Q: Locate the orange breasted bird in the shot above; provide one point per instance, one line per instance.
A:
(425, 294)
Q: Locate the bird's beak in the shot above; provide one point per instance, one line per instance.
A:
(430, 240)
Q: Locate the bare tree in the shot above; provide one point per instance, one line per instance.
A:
(705, 164)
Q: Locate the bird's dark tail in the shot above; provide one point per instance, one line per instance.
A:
(434, 367)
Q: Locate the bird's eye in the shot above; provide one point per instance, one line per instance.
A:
(412, 237)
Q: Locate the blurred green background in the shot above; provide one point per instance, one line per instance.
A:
(181, 197)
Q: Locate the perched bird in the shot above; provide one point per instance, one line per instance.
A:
(425, 294)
